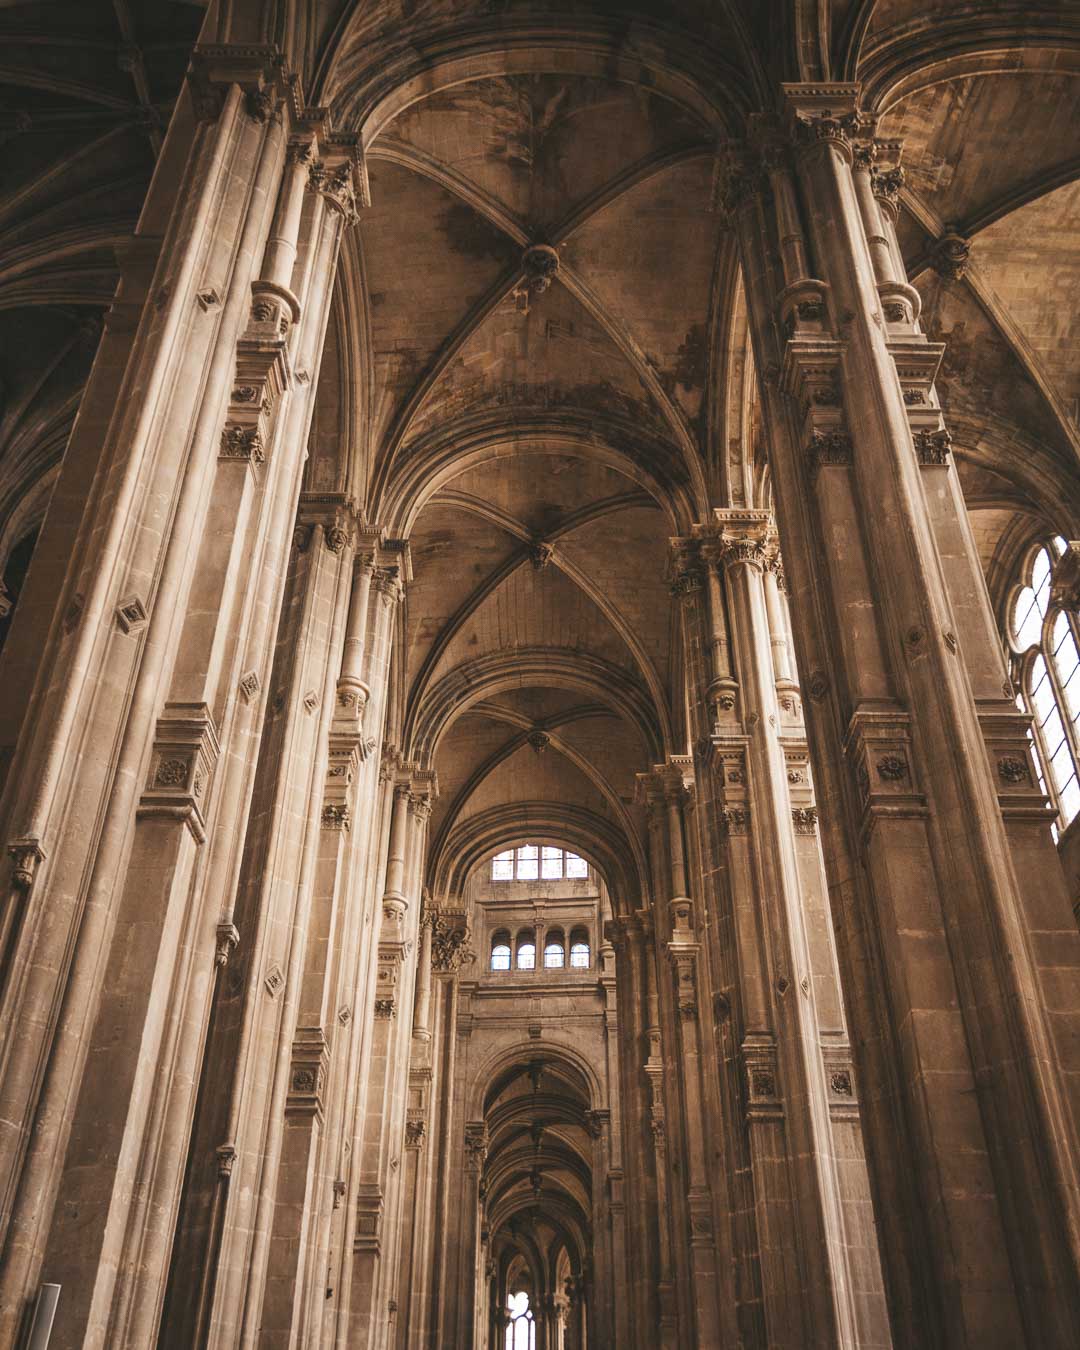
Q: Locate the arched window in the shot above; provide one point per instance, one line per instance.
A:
(521, 1329)
(533, 862)
(526, 950)
(500, 951)
(555, 950)
(1046, 666)
(579, 949)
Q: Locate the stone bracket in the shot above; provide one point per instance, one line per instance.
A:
(840, 1082)
(763, 1100)
(878, 747)
(181, 764)
(1008, 748)
(307, 1074)
(369, 1211)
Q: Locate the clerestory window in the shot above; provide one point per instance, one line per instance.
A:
(1043, 635)
(532, 862)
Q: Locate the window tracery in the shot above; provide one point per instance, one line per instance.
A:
(1043, 637)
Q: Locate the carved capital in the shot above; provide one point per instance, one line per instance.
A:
(932, 447)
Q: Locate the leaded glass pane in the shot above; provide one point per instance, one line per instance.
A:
(528, 863)
(551, 863)
(576, 867)
(1070, 799)
(502, 866)
(1027, 621)
(1040, 579)
(527, 956)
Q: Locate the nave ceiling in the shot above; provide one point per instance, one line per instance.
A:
(540, 448)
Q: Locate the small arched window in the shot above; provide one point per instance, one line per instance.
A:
(500, 951)
(1046, 667)
(521, 1329)
(555, 950)
(526, 950)
(579, 949)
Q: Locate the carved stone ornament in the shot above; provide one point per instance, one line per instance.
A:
(385, 1009)
(241, 442)
(932, 447)
(336, 816)
(951, 255)
(762, 1083)
(539, 740)
(887, 183)
(274, 979)
(540, 263)
(259, 104)
(476, 1143)
(805, 819)
(735, 820)
(828, 447)
(840, 1083)
(1013, 769)
(893, 768)
(540, 555)
(131, 614)
(450, 948)
(817, 686)
(249, 687)
(172, 773)
(26, 855)
(414, 1133)
(228, 939)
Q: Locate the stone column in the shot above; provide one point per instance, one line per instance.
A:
(658, 1113)
(379, 1164)
(641, 1223)
(694, 1253)
(960, 957)
(819, 1259)
(184, 597)
(311, 1184)
(422, 1005)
